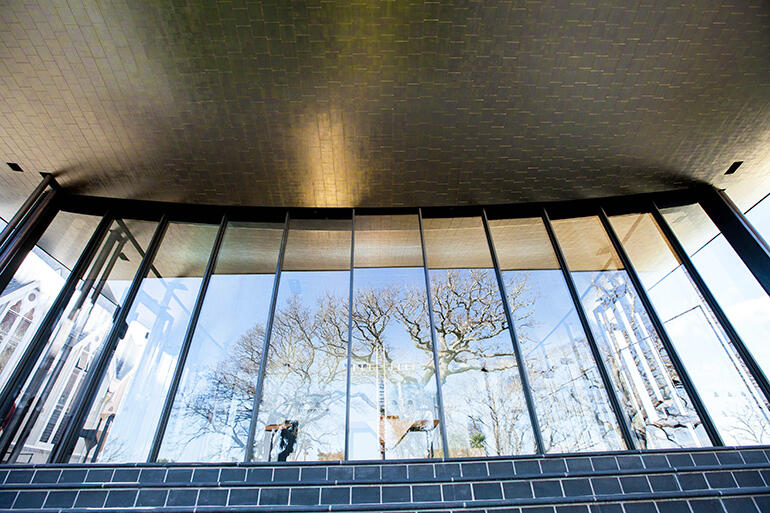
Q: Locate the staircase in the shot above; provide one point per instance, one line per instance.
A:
(715, 480)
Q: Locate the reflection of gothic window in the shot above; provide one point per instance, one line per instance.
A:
(17, 315)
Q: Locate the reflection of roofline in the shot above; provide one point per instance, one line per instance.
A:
(17, 289)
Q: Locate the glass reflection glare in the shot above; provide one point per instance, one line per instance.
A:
(122, 419)
(302, 413)
(393, 401)
(484, 405)
(213, 407)
(572, 406)
(651, 393)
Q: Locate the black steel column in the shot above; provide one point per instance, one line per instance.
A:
(525, 386)
(82, 402)
(350, 335)
(756, 370)
(652, 313)
(739, 232)
(625, 427)
(266, 345)
(25, 208)
(26, 236)
(429, 299)
(188, 338)
(39, 340)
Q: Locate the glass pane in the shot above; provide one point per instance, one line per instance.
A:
(572, 405)
(650, 391)
(759, 216)
(45, 403)
(123, 417)
(484, 404)
(741, 297)
(393, 405)
(702, 344)
(212, 409)
(33, 288)
(302, 413)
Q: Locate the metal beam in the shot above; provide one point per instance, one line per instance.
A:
(249, 456)
(160, 431)
(525, 386)
(437, 370)
(26, 236)
(623, 421)
(63, 450)
(657, 324)
(25, 208)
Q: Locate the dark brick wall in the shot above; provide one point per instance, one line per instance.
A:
(723, 480)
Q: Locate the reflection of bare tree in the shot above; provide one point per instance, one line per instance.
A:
(306, 364)
(305, 377)
(231, 382)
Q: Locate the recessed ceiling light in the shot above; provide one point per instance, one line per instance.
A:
(734, 167)
(14, 166)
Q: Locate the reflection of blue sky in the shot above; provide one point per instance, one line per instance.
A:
(156, 328)
(563, 374)
(406, 401)
(396, 338)
(234, 304)
(326, 433)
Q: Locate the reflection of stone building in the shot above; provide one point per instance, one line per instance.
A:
(19, 318)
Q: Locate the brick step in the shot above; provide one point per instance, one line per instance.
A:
(375, 472)
(749, 500)
(600, 481)
(593, 486)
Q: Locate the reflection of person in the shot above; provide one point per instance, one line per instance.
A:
(288, 439)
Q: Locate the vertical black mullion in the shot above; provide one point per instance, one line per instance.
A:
(625, 427)
(756, 370)
(25, 208)
(350, 335)
(249, 456)
(38, 342)
(192, 324)
(525, 386)
(652, 313)
(437, 371)
(66, 445)
(738, 232)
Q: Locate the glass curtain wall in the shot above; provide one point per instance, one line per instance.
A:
(735, 403)
(35, 284)
(123, 416)
(742, 298)
(393, 400)
(661, 413)
(213, 406)
(301, 416)
(45, 402)
(573, 409)
(303, 409)
(484, 404)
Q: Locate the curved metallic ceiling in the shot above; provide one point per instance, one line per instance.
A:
(383, 103)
